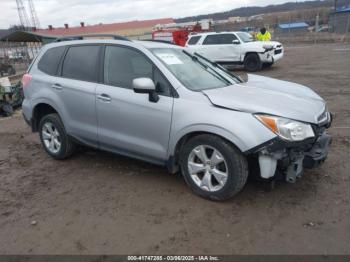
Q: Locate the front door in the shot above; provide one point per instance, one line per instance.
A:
(128, 122)
(220, 48)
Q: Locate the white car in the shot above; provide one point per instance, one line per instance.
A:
(236, 48)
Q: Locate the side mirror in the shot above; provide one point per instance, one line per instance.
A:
(236, 42)
(145, 85)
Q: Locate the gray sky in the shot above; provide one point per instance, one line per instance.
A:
(58, 12)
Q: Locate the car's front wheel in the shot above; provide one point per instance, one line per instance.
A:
(213, 168)
(54, 138)
(252, 62)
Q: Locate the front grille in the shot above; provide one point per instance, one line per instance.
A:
(278, 51)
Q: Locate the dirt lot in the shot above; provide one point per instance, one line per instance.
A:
(97, 203)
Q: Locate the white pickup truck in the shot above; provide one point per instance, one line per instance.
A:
(236, 48)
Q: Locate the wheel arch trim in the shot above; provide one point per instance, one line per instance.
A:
(177, 140)
(205, 128)
(47, 102)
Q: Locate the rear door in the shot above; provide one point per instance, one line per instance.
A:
(128, 122)
(220, 48)
(76, 88)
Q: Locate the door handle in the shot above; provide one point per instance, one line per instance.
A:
(57, 86)
(104, 98)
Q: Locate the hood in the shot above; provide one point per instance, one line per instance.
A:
(270, 96)
(260, 44)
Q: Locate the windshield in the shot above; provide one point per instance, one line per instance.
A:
(245, 37)
(192, 71)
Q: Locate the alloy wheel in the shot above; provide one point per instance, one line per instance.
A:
(51, 138)
(207, 168)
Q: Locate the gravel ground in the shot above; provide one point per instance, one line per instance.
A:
(98, 203)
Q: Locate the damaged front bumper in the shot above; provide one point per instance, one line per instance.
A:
(279, 158)
(272, 56)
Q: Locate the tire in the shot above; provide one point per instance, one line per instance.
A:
(6, 109)
(11, 71)
(67, 146)
(268, 65)
(236, 167)
(252, 62)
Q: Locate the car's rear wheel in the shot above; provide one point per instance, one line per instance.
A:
(252, 62)
(54, 138)
(213, 168)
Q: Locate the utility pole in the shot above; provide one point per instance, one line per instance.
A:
(23, 17)
(317, 26)
(317, 23)
(33, 15)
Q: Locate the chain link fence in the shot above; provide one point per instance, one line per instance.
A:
(290, 28)
(15, 57)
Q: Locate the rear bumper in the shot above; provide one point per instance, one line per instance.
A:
(29, 121)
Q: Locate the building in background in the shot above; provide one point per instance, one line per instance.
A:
(339, 20)
(295, 28)
(138, 29)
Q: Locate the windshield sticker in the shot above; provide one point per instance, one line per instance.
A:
(170, 59)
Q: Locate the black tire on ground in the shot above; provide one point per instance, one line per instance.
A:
(236, 164)
(6, 109)
(252, 62)
(67, 145)
(11, 71)
(268, 65)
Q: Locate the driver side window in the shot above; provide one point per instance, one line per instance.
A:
(122, 65)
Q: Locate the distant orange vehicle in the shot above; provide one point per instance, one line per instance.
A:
(176, 35)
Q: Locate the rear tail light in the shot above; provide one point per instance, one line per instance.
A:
(26, 79)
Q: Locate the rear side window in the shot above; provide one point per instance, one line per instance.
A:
(221, 39)
(81, 63)
(194, 40)
(50, 60)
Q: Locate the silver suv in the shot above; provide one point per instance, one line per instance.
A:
(159, 103)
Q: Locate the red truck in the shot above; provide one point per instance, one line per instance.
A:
(178, 33)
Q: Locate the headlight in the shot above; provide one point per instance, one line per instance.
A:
(268, 47)
(287, 129)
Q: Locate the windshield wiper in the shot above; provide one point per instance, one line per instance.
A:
(212, 72)
(219, 66)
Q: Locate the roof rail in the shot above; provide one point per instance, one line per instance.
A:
(159, 41)
(82, 37)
